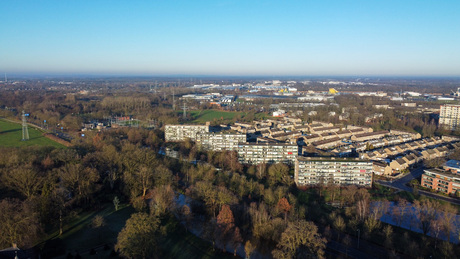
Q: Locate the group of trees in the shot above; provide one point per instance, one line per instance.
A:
(256, 207)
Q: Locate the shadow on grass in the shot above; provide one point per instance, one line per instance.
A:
(8, 131)
(79, 236)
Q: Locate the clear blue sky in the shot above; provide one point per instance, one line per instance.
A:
(247, 37)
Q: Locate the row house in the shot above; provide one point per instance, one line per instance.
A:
(265, 133)
(326, 144)
(392, 140)
(344, 134)
(329, 135)
(398, 164)
(369, 135)
(312, 138)
(293, 120)
(376, 143)
(243, 125)
(429, 154)
(263, 123)
(302, 128)
(262, 128)
(286, 126)
(357, 131)
(421, 143)
(276, 131)
(382, 168)
(343, 150)
(316, 124)
(411, 135)
(413, 145)
(391, 151)
(288, 136)
(324, 130)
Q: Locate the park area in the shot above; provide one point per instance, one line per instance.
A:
(81, 236)
(11, 135)
(203, 116)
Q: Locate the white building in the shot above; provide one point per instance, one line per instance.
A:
(220, 142)
(449, 116)
(340, 171)
(270, 153)
(182, 132)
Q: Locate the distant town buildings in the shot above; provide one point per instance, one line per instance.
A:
(449, 116)
(340, 171)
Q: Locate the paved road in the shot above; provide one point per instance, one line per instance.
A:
(401, 184)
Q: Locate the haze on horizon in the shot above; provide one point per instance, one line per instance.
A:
(395, 38)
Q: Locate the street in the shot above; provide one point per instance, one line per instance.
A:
(401, 184)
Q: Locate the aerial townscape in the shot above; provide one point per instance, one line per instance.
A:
(210, 130)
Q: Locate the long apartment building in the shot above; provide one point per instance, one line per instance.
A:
(342, 171)
(449, 116)
(175, 133)
(220, 142)
(270, 153)
(441, 180)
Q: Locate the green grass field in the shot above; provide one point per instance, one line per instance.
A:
(202, 116)
(11, 135)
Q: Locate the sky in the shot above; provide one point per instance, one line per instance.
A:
(247, 37)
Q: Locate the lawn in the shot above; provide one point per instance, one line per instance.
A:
(11, 135)
(202, 116)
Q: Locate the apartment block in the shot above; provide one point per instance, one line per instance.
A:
(441, 180)
(220, 142)
(176, 133)
(342, 171)
(270, 153)
(449, 116)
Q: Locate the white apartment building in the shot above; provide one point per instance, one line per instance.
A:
(449, 117)
(270, 153)
(342, 171)
(176, 133)
(220, 142)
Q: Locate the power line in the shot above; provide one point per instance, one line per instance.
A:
(25, 130)
(185, 111)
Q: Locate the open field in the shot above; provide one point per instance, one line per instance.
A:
(202, 116)
(11, 135)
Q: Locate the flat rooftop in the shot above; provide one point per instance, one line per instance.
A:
(336, 159)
